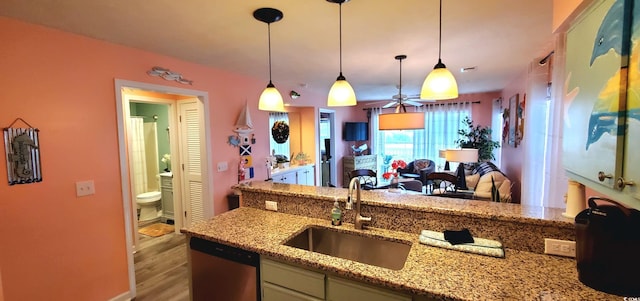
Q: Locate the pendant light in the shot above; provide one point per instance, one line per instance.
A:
(270, 99)
(401, 119)
(440, 83)
(341, 93)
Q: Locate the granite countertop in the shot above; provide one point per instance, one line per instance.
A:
(421, 202)
(431, 271)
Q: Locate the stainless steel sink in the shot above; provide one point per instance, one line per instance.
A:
(378, 251)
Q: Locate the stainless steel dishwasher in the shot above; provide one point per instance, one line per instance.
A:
(221, 272)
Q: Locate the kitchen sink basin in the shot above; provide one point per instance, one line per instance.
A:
(377, 251)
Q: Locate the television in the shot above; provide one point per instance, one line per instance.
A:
(355, 131)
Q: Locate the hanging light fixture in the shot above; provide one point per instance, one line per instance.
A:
(270, 99)
(401, 119)
(440, 83)
(341, 93)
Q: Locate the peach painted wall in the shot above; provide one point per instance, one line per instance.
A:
(566, 10)
(54, 245)
(512, 156)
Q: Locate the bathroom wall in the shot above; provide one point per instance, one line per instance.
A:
(148, 110)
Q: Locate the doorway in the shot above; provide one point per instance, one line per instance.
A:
(189, 162)
(327, 147)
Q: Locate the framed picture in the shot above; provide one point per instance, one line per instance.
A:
(520, 119)
(513, 120)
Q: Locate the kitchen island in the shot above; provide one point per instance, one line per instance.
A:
(429, 272)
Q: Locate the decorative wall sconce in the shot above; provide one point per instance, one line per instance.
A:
(169, 75)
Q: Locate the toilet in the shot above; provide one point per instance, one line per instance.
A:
(148, 202)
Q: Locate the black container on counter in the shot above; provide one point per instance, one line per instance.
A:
(608, 247)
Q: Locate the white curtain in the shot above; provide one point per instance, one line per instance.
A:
(496, 130)
(377, 141)
(280, 148)
(544, 182)
(138, 161)
(151, 156)
(442, 122)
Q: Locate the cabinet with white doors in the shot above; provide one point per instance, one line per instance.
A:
(301, 175)
(166, 189)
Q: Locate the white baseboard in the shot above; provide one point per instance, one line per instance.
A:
(126, 296)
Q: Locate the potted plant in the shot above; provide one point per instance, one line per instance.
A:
(478, 137)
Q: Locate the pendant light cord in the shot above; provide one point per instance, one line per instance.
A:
(400, 84)
(340, 9)
(269, 35)
(440, 32)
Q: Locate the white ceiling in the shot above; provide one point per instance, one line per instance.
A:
(500, 37)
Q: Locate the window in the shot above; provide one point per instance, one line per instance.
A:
(442, 122)
(278, 148)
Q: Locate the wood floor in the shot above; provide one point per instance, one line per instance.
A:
(161, 268)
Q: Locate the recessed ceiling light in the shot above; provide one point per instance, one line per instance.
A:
(468, 69)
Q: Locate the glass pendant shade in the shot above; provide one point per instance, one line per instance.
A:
(341, 94)
(271, 99)
(401, 121)
(439, 84)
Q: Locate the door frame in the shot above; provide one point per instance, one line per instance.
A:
(128, 99)
(333, 165)
(121, 102)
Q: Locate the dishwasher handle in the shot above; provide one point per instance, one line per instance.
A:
(225, 251)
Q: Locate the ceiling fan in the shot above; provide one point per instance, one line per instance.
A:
(400, 99)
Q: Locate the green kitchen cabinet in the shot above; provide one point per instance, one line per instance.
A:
(345, 290)
(281, 282)
(286, 282)
(601, 100)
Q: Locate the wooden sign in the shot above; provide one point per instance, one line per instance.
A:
(22, 149)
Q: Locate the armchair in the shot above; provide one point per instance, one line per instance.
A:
(480, 181)
(418, 169)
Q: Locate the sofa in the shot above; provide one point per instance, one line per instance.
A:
(418, 169)
(479, 180)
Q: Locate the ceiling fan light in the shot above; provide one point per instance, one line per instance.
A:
(439, 84)
(401, 121)
(341, 94)
(271, 99)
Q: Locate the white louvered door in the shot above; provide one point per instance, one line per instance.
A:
(192, 150)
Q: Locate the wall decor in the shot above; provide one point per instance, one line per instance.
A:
(22, 149)
(513, 120)
(280, 131)
(169, 75)
(520, 119)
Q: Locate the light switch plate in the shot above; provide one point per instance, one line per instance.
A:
(84, 188)
(222, 166)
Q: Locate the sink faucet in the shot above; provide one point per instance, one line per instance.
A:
(360, 220)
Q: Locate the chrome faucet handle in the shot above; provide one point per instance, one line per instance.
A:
(362, 221)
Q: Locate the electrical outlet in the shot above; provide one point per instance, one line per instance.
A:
(270, 205)
(560, 247)
(85, 188)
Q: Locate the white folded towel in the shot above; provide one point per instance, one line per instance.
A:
(480, 246)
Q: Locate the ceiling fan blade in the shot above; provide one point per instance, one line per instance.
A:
(413, 103)
(389, 105)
